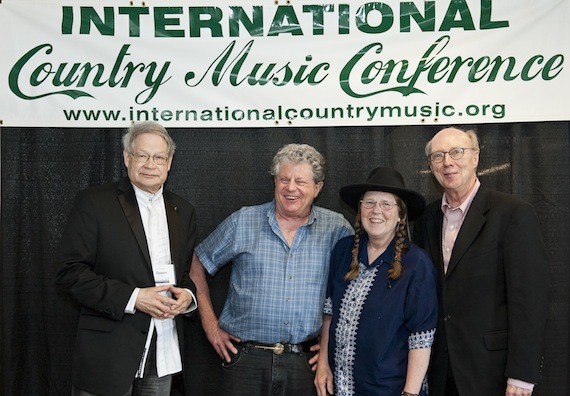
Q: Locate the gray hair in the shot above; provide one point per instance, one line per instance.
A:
(298, 154)
(147, 127)
(470, 133)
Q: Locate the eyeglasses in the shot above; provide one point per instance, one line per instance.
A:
(384, 205)
(143, 158)
(455, 153)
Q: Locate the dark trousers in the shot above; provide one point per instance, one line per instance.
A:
(254, 372)
(450, 387)
(149, 385)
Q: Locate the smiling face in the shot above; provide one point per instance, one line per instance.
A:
(295, 190)
(457, 177)
(379, 223)
(148, 176)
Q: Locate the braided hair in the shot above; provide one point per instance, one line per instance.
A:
(396, 269)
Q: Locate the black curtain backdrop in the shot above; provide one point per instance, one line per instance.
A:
(220, 170)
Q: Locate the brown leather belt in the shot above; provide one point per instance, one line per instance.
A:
(281, 347)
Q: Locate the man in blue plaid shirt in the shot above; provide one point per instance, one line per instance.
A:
(266, 334)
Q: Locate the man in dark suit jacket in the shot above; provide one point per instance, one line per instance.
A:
(125, 255)
(493, 277)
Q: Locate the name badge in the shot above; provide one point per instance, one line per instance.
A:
(164, 274)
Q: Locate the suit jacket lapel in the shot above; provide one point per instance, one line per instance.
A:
(474, 221)
(130, 207)
(435, 240)
(173, 218)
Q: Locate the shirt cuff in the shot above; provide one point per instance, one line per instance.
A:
(193, 305)
(521, 384)
(130, 308)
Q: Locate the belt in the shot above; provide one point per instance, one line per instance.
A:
(281, 347)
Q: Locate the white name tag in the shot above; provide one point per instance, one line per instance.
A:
(164, 274)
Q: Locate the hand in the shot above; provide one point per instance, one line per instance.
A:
(153, 301)
(314, 360)
(516, 391)
(182, 297)
(220, 340)
(324, 380)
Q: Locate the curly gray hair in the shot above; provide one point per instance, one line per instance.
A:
(298, 154)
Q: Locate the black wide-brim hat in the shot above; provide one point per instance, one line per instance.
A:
(387, 180)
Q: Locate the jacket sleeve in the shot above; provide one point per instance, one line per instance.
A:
(526, 273)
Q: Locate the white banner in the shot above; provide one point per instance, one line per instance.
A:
(288, 63)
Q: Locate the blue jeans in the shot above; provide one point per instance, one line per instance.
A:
(254, 372)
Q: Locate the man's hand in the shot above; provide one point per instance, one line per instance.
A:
(516, 391)
(153, 301)
(183, 299)
(314, 359)
(221, 340)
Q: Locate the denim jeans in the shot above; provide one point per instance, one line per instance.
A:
(254, 372)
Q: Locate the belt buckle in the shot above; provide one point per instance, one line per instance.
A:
(278, 348)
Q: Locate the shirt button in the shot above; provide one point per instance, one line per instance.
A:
(447, 318)
(286, 323)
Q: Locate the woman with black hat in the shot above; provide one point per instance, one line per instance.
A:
(381, 307)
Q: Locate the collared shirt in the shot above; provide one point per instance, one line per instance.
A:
(452, 221)
(168, 358)
(276, 291)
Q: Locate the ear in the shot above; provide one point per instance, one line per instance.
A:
(475, 158)
(126, 158)
(318, 188)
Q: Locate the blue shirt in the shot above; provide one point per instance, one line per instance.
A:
(276, 291)
(376, 321)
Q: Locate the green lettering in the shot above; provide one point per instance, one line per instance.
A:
(253, 26)
(485, 20)
(362, 18)
(465, 21)
(106, 27)
(134, 14)
(162, 21)
(409, 10)
(214, 15)
(285, 21)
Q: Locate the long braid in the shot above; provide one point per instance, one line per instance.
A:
(354, 264)
(396, 269)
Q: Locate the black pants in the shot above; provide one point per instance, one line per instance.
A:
(450, 387)
(254, 372)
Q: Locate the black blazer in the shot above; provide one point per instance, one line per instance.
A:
(493, 298)
(104, 256)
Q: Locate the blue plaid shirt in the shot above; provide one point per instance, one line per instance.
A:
(276, 292)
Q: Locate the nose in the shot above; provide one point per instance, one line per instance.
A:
(447, 159)
(150, 164)
(291, 185)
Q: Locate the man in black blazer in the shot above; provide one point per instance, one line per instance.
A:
(493, 277)
(125, 256)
